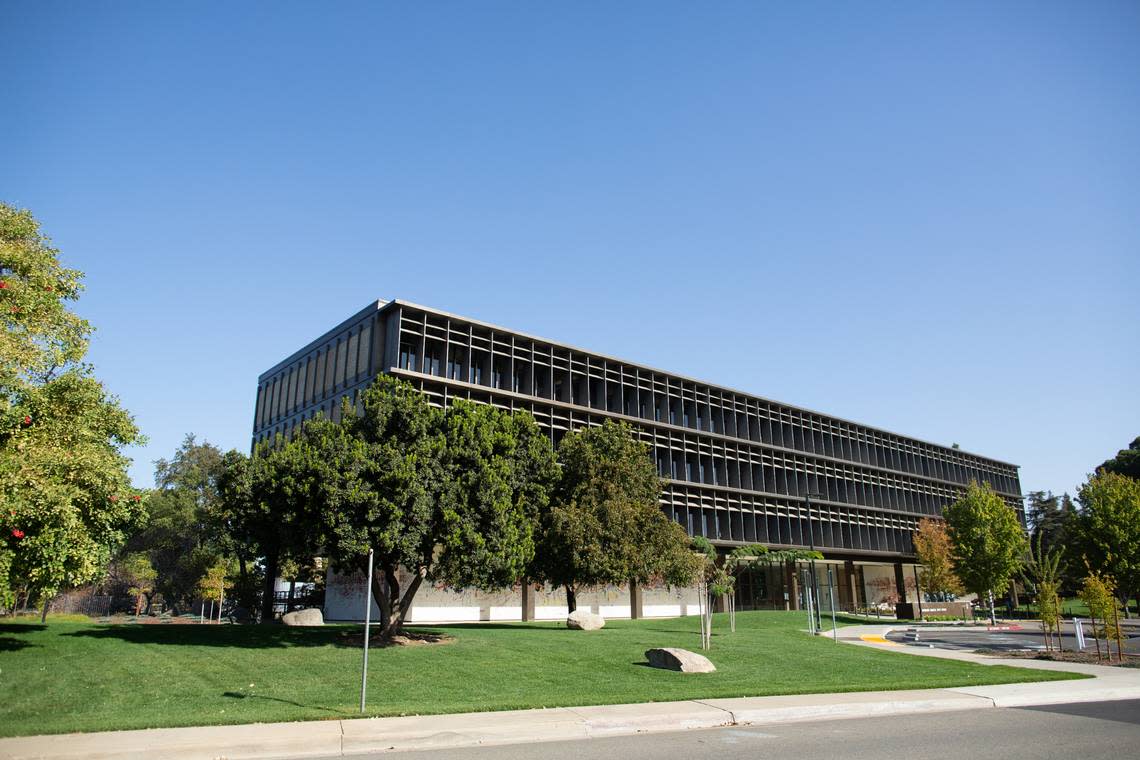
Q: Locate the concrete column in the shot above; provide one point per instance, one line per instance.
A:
(527, 601)
(635, 603)
(849, 571)
(793, 586)
(900, 582)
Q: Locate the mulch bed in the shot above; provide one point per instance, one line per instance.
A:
(405, 639)
(1084, 658)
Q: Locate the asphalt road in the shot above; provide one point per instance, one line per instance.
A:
(1072, 732)
(1029, 637)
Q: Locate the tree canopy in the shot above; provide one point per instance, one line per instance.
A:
(605, 524)
(179, 537)
(266, 508)
(451, 495)
(1108, 528)
(67, 498)
(988, 541)
(934, 550)
(1126, 462)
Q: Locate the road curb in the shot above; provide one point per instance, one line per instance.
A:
(346, 738)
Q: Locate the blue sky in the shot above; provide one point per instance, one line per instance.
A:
(923, 217)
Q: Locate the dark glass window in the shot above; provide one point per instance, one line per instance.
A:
(407, 357)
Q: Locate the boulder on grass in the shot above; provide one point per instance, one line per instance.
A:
(679, 659)
(310, 616)
(581, 620)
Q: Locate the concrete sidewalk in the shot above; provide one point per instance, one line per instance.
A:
(335, 738)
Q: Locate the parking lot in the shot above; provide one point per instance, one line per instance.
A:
(1024, 637)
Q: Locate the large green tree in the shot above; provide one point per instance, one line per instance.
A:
(606, 524)
(267, 507)
(988, 541)
(1126, 462)
(66, 497)
(1108, 529)
(447, 495)
(179, 537)
(1048, 517)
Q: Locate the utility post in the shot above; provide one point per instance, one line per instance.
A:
(811, 545)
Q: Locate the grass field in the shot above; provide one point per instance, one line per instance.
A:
(85, 677)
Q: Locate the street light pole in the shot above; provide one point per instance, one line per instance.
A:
(811, 545)
(367, 625)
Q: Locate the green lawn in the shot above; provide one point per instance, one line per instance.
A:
(86, 677)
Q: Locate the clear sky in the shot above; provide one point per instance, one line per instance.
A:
(924, 217)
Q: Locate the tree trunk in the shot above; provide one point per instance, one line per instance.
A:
(405, 603)
(292, 594)
(380, 592)
(271, 563)
(43, 615)
(571, 599)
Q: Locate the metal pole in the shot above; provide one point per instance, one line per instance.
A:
(918, 593)
(367, 623)
(831, 595)
(813, 624)
(811, 545)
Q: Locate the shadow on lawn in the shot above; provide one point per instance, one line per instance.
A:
(9, 644)
(241, 636)
(21, 627)
(242, 695)
(538, 625)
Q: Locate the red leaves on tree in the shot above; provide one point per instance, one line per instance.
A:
(17, 533)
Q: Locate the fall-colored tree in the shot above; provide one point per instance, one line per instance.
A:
(935, 554)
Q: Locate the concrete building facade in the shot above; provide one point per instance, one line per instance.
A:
(740, 468)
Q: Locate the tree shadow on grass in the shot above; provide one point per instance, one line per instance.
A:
(9, 644)
(21, 627)
(537, 625)
(239, 636)
(242, 695)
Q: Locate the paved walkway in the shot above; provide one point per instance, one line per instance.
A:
(335, 738)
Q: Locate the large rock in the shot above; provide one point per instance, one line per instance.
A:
(679, 659)
(581, 620)
(311, 616)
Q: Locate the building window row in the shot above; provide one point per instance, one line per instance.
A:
(712, 461)
(341, 362)
(690, 459)
(782, 522)
(435, 345)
